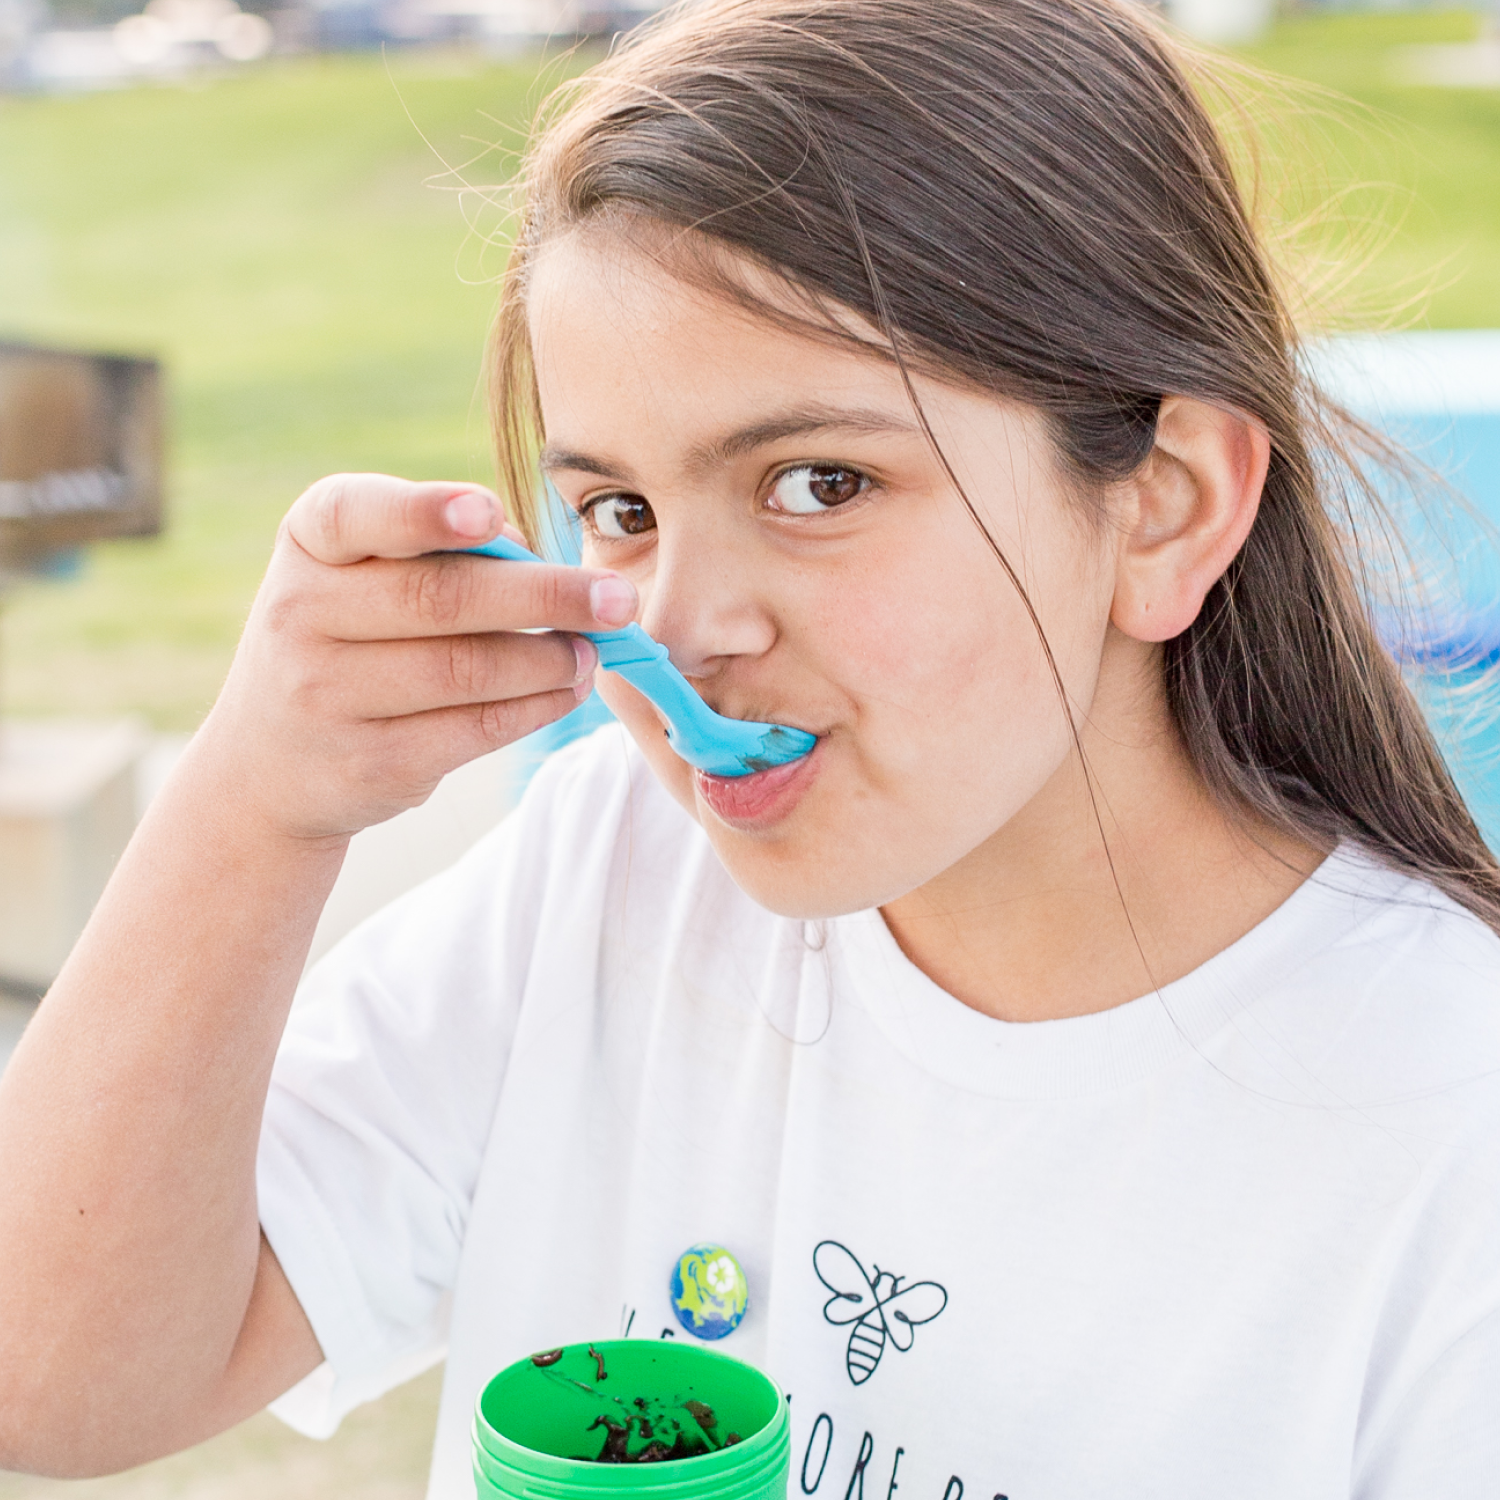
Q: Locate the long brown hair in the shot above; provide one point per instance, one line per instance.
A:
(1030, 197)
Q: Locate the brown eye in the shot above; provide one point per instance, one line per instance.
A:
(811, 488)
(620, 516)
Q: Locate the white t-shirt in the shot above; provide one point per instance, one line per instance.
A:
(1238, 1238)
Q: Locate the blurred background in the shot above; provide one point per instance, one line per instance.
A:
(292, 209)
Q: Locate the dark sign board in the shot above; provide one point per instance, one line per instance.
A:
(80, 450)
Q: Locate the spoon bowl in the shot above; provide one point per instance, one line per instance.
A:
(703, 738)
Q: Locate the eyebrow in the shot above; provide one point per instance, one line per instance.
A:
(802, 421)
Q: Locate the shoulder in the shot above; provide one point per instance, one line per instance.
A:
(1401, 936)
(1407, 1086)
(1404, 989)
(548, 868)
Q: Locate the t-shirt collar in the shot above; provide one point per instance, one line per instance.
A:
(1115, 1048)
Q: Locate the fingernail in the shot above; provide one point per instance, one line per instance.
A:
(587, 657)
(582, 689)
(470, 514)
(613, 600)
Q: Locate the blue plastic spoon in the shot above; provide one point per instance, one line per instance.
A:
(720, 746)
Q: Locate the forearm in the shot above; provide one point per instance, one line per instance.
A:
(128, 1126)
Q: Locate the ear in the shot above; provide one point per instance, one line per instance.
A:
(1185, 515)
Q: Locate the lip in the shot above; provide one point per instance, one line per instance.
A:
(762, 799)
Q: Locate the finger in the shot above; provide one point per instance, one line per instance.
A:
(345, 518)
(475, 729)
(395, 679)
(453, 594)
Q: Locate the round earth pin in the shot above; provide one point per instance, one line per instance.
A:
(709, 1291)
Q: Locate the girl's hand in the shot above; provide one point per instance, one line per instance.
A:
(376, 659)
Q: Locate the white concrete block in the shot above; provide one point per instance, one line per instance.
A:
(67, 810)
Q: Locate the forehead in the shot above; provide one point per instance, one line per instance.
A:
(615, 326)
(643, 369)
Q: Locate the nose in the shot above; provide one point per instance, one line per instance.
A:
(703, 605)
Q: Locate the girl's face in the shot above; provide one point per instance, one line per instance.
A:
(806, 559)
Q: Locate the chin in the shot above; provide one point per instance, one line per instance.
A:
(802, 883)
(808, 862)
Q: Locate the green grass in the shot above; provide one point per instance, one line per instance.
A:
(290, 247)
(277, 237)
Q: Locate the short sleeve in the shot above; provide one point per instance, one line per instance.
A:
(382, 1099)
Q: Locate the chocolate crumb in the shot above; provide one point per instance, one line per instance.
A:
(703, 1414)
(616, 1436)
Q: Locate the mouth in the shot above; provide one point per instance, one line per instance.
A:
(762, 799)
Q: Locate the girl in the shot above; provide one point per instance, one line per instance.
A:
(1112, 996)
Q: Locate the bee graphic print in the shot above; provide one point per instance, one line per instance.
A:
(880, 1309)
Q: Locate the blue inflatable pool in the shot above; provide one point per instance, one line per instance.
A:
(1438, 394)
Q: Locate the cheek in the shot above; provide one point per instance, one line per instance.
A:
(945, 719)
(944, 671)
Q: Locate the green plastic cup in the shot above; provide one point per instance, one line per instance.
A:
(540, 1428)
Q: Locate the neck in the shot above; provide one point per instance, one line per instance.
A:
(1107, 885)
